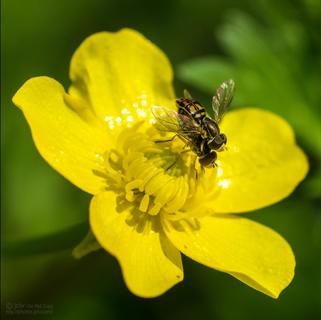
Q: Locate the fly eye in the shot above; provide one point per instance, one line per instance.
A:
(218, 141)
(208, 161)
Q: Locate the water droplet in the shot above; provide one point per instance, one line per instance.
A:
(224, 183)
(130, 119)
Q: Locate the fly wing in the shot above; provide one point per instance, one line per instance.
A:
(169, 120)
(222, 99)
(187, 95)
(166, 119)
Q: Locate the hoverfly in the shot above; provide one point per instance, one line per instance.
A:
(192, 125)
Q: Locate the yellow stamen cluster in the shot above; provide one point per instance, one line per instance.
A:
(151, 175)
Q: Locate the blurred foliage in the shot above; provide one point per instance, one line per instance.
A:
(267, 66)
(270, 48)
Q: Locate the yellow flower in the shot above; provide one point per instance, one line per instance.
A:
(148, 203)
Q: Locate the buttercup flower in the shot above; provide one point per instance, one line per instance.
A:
(150, 203)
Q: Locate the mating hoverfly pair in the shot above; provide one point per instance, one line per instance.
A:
(194, 127)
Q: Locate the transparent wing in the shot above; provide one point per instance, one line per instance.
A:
(169, 120)
(222, 99)
(187, 95)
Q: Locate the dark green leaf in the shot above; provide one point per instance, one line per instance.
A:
(62, 240)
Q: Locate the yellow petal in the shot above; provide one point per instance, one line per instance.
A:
(247, 250)
(150, 263)
(262, 164)
(63, 138)
(122, 74)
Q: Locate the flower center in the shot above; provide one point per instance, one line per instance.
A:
(149, 173)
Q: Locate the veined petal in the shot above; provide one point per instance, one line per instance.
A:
(262, 163)
(67, 142)
(122, 74)
(249, 251)
(150, 263)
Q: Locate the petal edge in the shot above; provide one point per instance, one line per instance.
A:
(262, 164)
(121, 74)
(62, 137)
(249, 251)
(150, 264)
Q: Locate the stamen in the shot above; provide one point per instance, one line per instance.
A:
(165, 193)
(135, 184)
(144, 203)
(155, 183)
(155, 209)
(131, 157)
(134, 167)
(180, 197)
(148, 174)
(130, 196)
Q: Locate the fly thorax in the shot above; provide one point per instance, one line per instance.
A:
(211, 127)
(191, 109)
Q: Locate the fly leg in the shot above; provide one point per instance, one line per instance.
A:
(195, 169)
(177, 157)
(172, 165)
(187, 150)
(168, 140)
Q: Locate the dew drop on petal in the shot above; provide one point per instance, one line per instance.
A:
(219, 172)
(130, 119)
(125, 111)
(224, 183)
(144, 102)
(141, 113)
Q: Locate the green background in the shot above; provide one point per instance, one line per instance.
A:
(270, 48)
